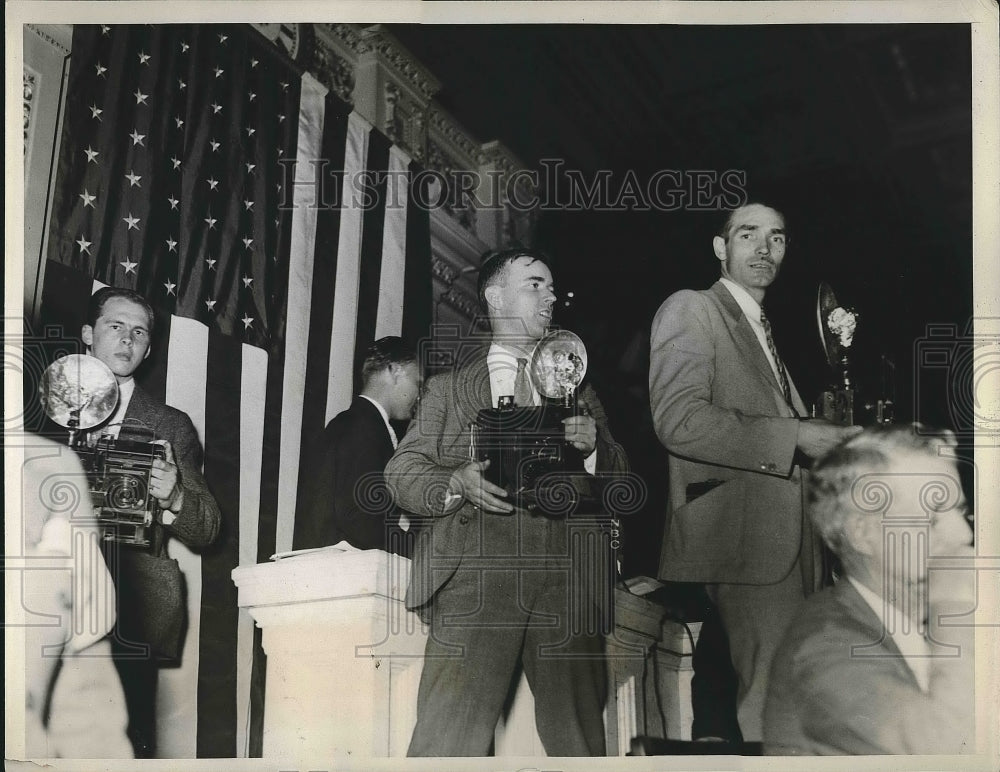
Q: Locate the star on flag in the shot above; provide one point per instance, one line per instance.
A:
(170, 286)
(247, 281)
(211, 222)
(248, 204)
(213, 183)
(216, 108)
(247, 242)
(133, 222)
(181, 84)
(95, 111)
(171, 245)
(250, 167)
(128, 265)
(91, 154)
(101, 69)
(133, 179)
(173, 202)
(218, 72)
(210, 304)
(184, 47)
(250, 131)
(215, 145)
(143, 57)
(247, 321)
(252, 95)
(211, 263)
(175, 161)
(105, 29)
(253, 62)
(137, 138)
(178, 121)
(140, 98)
(88, 200)
(84, 245)
(223, 38)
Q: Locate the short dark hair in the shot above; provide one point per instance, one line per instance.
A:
(726, 225)
(97, 301)
(493, 265)
(390, 350)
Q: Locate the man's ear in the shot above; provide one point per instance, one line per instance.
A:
(87, 335)
(146, 355)
(493, 296)
(719, 246)
(858, 532)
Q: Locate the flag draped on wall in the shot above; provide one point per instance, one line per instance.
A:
(276, 234)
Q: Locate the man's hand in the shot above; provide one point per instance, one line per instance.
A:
(817, 436)
(468, 481)
(165, 481)
(581, 433)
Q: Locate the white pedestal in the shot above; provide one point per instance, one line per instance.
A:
(344, 659)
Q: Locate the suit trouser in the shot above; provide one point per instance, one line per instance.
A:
(755, 618)
(519, 601)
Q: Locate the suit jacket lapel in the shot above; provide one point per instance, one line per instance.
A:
(881, 643)
(136, 422)
(366, 408)
(746, 338)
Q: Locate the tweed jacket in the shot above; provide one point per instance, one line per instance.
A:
(436, 443)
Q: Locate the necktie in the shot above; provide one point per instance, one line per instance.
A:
(782, 376)
(523, 394)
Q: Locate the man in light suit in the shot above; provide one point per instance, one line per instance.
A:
(346, 501)
(119, 333)
(503, 587)
(727, 411)
(861, 671)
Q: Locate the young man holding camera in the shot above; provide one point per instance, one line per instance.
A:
(119, 332)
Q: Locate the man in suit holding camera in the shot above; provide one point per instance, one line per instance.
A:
(119, 333)
(727, 411)
(502, 586)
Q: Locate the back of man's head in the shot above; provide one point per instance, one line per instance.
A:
(100, 298)
(382, 354)
(834, 495)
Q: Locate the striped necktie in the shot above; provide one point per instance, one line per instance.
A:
(523, 394)
(782, 375)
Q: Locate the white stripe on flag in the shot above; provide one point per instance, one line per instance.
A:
(253, 393)
(177, 695)
(300, 274)
(345, 301)
(390, 292)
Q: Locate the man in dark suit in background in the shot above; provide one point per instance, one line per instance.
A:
(860, 670)
(728, 413)
(119, 332)
(503, 587)
(347, 500)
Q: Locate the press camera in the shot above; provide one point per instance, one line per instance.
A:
(80, 393)
(526, 445)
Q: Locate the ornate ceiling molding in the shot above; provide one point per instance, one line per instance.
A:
(58, 36)
(392, 53)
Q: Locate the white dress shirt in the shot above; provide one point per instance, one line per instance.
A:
(114, 424)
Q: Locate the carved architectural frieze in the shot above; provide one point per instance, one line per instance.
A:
(460, 301)
(59, 36)
(333, 71)
(391, 51)
(30, 89)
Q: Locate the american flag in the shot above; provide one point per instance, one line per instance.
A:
(276, 234)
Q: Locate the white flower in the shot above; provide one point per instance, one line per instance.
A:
(842, 323)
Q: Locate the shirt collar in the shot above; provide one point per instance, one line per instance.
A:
(385, 418)
(751, 308)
